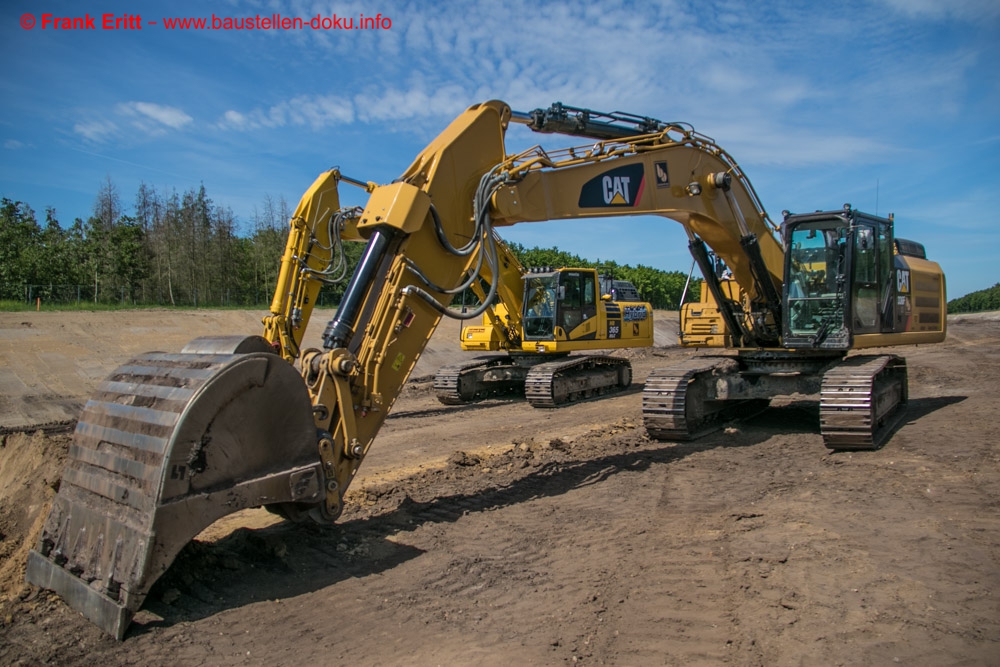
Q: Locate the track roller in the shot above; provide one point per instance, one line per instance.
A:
(679, 403)
(862, 399)
(556, 383)
(483, 377)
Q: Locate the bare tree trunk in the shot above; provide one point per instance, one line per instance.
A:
(170, 285)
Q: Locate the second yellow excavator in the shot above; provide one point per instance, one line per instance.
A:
(538, 318)
(173, 441)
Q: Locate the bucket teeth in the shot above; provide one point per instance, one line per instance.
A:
(167, 445)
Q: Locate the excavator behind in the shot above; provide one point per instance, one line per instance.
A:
(538, 318)
(173, 441)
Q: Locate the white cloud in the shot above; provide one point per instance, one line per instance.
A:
(799, 147)
(319, 111)
(96, 130)
(376, 104)
(394, 104)
(315, 111)
(13, 144)
(150, 119)
(171, 117)
(965, 10)
(234, 119)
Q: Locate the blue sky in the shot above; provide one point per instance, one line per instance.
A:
(893, 104)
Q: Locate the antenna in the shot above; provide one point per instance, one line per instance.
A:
(876, 196)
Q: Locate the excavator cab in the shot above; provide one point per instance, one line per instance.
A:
(557, 302)
(542, 315)
(848, 285)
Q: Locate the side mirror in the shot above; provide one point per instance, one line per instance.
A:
(605, 297)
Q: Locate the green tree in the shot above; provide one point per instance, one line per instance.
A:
(20, 233)
(976, 302)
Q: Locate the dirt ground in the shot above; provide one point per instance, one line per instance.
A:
(501, 534)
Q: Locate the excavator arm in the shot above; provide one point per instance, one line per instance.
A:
(426, 233)
(313, 257)
(504, 314)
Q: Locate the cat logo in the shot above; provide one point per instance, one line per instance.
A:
(618, 187)
(902, 281)
(616, 190)
(662, 175)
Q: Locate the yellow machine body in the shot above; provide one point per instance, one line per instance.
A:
(564, 311)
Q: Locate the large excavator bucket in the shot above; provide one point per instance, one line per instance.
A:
(169, 444)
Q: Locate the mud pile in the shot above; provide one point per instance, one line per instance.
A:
(30, 468)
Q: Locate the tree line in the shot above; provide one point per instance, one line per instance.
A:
(976, 302)
(182, 249)
(177, 249)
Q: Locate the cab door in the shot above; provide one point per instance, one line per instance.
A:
(872, 291)
(578, 300)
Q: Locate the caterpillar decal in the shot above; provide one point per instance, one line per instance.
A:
(619, 187)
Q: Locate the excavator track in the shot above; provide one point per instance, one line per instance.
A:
(482, 377)
(861, 400)
(677, 404)
(555, 383)
(168, 444)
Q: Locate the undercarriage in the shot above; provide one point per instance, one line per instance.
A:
(544, 382)
(862, 398)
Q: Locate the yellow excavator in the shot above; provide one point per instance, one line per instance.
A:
(171, 442)
(538, 317)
